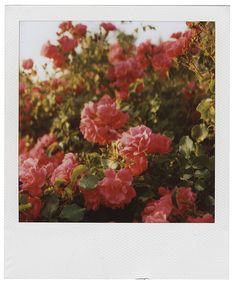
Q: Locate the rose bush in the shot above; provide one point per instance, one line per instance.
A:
(119, 131)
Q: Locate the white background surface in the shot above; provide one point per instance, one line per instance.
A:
(232, 97)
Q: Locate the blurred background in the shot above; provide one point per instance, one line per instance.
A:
(33, 34)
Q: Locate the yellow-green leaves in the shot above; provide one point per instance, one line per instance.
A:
(199, 132)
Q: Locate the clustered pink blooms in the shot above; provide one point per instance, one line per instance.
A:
(64, 171)
(123, 73)
(35, 167)
(32, 176)
(127, 70)
(163, 209)
(139, 141)
(101, 121)
(114, 191)
(27, 64)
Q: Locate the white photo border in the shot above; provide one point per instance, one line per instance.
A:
(114, 250)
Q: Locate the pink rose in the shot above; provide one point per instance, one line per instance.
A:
(27, 64)
(64, 170)
(108, 26)
(67, 44)
(52, 52)
(159, 144)
(144, 53)
(92, 198)
(116, 188)
(65, 26)
(80, 30)
(135, 141)
(32, 176)
(101, 121)
(158, 210)
(137, 165)
(185, 199)
(116, 54)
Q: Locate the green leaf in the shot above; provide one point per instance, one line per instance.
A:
(50, 207)
(199, 185)
(207, 110)
(77, 171)
(72, 212)
(202, 174)
(88, 182)
(199, 132)
(186, 146)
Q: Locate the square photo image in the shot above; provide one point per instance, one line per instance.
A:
(117, 122)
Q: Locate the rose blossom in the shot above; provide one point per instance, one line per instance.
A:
(135, 141)
(80, 30)
(108, 26)
(67, 44)
(116, 54)
(64, 170)
(32, 176)
(185, 199)
(157, 211)
(65, 26)
(52, 52)
(137, 165)
(92, 198)
(101, 121)
(27, 64)
(159, 144)
(116, 188)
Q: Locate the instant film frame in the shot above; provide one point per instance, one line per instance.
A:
(112, 250)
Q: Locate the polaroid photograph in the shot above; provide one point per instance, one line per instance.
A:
(117, 142)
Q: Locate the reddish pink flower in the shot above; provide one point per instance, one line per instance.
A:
(80, 30)
(161, 61)
(135, 141)
(157, 211)
(32, 176)
(176, 35)
(27, 64)
(108, 26)
(52, 52)
(32, 213)
(101, 121)
(185, 199)
(144, 53)
(116, 188)
(159, 144)
(116, 54)
(64, 171)
(65, 26)
(67, 44)
(92, 198)
(137, 165)
(206, 218)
